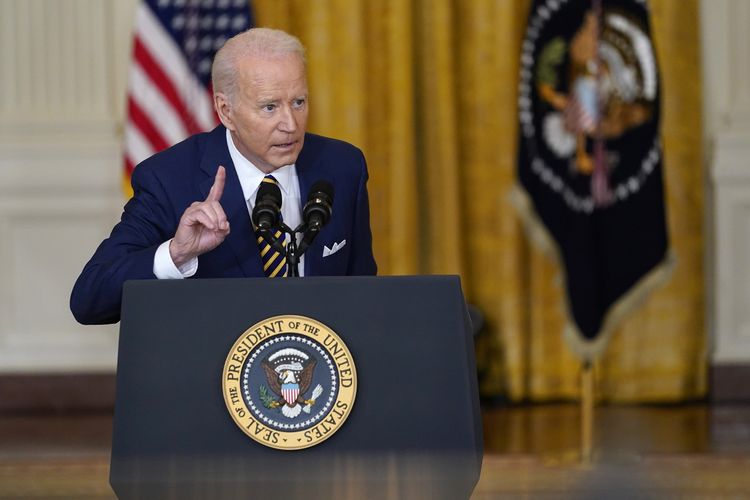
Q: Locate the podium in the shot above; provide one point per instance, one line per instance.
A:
(413, 431)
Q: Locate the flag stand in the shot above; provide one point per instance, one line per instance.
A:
(587, 412)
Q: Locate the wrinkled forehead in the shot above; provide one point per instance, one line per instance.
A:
(273, 78)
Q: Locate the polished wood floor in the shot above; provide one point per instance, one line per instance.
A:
(683, 451)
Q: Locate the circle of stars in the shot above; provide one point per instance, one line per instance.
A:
(546, 173)
(256, 411)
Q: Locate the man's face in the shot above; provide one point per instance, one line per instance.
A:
(268, 116)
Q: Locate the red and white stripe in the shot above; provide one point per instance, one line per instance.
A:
(166, 101)
(290, 395)
(577, 119)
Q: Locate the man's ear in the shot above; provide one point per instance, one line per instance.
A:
(224, 110)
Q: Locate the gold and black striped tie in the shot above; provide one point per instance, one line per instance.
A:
(274, 263)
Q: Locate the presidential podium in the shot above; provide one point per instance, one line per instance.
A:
(412, 431)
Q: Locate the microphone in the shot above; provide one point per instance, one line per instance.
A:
(319, 206)
(267, 210)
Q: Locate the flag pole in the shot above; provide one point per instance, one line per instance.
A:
(601, 193)
(587, 412)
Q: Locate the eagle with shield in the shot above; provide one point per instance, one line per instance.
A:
(289, 373)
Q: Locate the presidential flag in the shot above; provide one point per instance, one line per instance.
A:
(169, 81)
(590, 159)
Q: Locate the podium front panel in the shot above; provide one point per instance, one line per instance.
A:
(416, 399)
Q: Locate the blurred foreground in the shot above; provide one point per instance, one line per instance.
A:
(682, 451)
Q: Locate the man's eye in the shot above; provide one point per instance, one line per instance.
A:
(269, 107)
(298, 103)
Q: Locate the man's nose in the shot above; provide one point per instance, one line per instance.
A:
(288, 121)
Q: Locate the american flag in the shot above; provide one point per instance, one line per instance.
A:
(169, 82)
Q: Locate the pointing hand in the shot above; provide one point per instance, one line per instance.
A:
(203, 225)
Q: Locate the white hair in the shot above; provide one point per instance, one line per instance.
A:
(258, 42)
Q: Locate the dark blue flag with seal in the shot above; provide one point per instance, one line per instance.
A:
(590, 158)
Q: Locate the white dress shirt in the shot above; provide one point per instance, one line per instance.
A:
(250, 178)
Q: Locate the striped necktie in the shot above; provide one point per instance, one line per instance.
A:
(274, 263)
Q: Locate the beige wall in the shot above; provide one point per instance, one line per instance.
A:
(726, 67)
(62, 79)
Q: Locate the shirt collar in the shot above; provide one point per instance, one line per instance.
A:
(251, 177)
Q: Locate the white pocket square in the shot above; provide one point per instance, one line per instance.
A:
(334, 248)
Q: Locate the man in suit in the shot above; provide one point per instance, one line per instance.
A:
(190, 212)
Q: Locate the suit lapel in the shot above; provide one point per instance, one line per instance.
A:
(241, 239)
(309, 170)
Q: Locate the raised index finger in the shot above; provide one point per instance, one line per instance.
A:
(218, 188)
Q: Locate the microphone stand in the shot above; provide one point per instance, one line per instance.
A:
(293, 251)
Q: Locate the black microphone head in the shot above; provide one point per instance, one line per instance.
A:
(270, 191)
(267, 210)
(323, 187)
(319, 206)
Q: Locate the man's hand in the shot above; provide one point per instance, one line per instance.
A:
(203, 226)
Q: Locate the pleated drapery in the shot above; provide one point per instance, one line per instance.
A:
(427, 88)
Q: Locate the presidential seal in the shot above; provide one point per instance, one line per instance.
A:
(589, 102)
(289, 382)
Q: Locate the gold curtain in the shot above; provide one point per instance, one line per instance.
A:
(427, 88)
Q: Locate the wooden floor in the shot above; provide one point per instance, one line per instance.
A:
(693, 451)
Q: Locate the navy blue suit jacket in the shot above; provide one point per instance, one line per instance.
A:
(167, 183)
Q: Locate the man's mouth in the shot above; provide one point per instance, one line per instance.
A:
(285, 145)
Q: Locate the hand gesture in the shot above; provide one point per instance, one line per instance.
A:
(203, 226)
